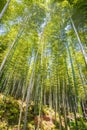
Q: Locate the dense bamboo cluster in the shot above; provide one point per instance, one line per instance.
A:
(43, 56)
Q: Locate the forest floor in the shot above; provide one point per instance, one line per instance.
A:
(46, 119)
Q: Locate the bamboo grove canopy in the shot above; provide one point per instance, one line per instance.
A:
(43, 54)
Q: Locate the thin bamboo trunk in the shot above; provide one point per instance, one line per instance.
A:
(80, 44)
(50, 100)
(79, 70)
(29, 90)
(64, 103)
(75, 102)
(44, 97)
(59, 105)
(4, 9)
(73, 73)
(11, 47)
(56, 102)
(23, 92)
(21, 110)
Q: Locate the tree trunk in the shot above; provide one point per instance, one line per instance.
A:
(4, 9)
(15, 40)
(80, 44)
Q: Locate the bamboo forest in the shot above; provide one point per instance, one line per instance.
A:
(43, 64)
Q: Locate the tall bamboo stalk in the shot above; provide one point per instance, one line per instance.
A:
(75, 102)
(79, 41)
(4, 9)
(11, 47)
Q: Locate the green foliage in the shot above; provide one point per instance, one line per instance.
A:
(2, 4)
(81, 17)
(40, 54)
(82, 125)
(9, 110)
